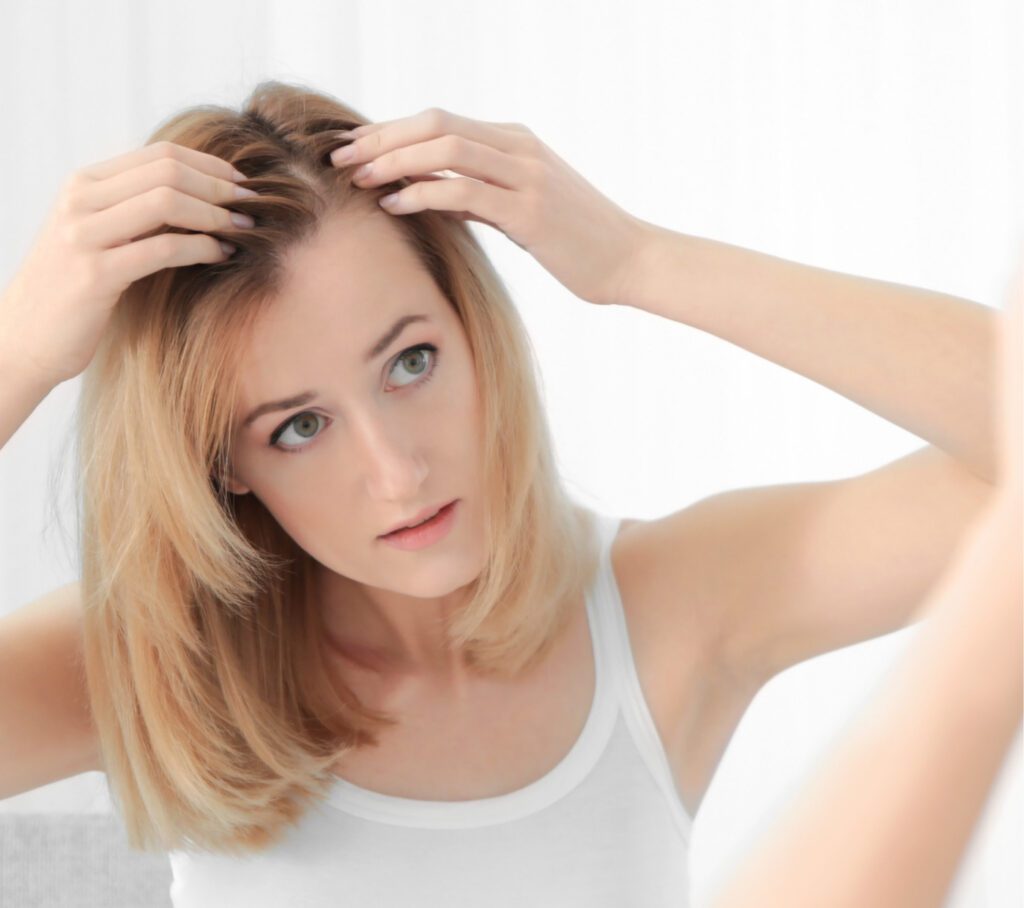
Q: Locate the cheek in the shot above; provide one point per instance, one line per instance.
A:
(461, 410)
(463, 386)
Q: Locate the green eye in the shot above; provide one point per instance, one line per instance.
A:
(419, 367)
(415, 355)
(299, 419)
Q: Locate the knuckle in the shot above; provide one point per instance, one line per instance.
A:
(165, 149)
(74, 182)
(164, 246)
(72, 232)
(162, 199)
(462, 190)
(169, 170)
(436, 118)
(454, 146)
(67, 199)
(532, 144)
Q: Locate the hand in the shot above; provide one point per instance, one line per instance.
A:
(98, 240)
(514, 183)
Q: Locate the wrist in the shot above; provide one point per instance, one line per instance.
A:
(646, 266)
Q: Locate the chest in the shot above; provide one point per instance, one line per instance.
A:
(506, 734)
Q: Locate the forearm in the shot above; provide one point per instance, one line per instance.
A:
(918, 358)
(885, 819)
(20, 394)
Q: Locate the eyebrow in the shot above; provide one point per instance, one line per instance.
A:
(297, 400)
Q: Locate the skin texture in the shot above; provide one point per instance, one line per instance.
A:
(378, 444)
(513, 191)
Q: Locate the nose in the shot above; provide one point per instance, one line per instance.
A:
(393, 468)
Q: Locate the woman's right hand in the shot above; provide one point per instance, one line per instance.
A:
(54, 312)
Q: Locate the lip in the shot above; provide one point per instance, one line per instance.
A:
(419, 516)
(427, 534)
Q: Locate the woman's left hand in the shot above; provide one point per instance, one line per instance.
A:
(514, 183)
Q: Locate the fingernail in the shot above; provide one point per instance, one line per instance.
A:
(341, 155)
(238, 176)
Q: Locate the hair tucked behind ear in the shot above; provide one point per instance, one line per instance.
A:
(217, 720)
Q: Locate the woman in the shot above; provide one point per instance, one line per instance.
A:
(254, 622)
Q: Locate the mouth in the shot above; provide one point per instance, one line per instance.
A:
(422, 517)
(428, 533)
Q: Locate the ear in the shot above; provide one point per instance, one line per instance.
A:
(230, 484)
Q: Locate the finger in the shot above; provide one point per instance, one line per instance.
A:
(458, 215)
(450, 152)
(469, 216)
(177, 174)
(460, 194)
(153, 210)
(133, 261)
(200, 160)
(417, 177)
(368, 128)
(380, 138)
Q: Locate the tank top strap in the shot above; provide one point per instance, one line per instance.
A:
(623, 681)
(607, 528)
(604, 605)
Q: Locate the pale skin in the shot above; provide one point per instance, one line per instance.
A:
(919, 358)
(915, 357)
(381, 441)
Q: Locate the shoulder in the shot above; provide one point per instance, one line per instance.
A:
(669, 563)
(672, 584)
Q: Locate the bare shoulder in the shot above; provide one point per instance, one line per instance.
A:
(707, 571)
(45, 721)
(670, 573)
(672, 589)
(673, 576)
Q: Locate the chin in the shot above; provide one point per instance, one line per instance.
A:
(433, 581)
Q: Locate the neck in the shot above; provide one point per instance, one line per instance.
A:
(390, 633)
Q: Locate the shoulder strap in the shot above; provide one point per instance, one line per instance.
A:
(607, 527)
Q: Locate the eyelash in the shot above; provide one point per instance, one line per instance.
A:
(297, 449)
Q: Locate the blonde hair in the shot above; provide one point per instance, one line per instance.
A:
(216, 719)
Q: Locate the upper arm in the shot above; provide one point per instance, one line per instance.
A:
(795, 571)
(46, 731)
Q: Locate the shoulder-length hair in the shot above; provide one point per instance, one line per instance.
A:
(217, 721)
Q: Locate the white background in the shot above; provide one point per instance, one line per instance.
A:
(875, 138)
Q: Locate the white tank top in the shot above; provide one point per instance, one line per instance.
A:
(605, 827)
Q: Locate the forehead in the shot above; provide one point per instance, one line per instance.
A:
(341, 291)
(357, 263)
